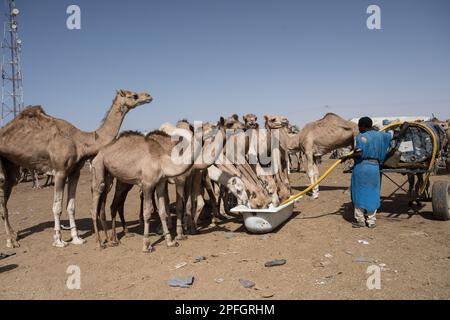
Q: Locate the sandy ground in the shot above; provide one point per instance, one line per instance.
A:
(412, 248)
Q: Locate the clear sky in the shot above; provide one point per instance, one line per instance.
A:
(201, 59)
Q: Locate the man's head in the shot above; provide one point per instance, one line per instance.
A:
(364, 124)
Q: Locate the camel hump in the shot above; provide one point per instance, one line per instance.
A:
(32, 111)
(130, 133)
(331, 115)
(157, 133)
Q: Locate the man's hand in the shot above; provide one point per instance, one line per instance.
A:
(345, 158)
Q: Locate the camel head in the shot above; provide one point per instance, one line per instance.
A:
(258, 200)
(231, 123)
(130, 100)
(184, 124)
(276, 122)
(250, 121)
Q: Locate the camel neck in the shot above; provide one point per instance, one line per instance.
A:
(108, 130)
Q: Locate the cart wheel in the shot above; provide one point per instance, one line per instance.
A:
(441, 200)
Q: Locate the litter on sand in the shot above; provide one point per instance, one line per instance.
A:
(181, 282)
(276, 262)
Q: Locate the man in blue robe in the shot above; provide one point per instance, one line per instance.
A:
(370, 152)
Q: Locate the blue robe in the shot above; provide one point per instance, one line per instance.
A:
(366, 182)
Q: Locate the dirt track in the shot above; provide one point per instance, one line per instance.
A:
(414, 248)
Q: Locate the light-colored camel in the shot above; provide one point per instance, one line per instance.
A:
(185, 183)
(319, 138)
(255, 146)
(136, 159)
(231, 123)
(279, 152)
(38, 141)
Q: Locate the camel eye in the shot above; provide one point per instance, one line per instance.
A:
(135, 97)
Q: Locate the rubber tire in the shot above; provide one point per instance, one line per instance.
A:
(441, 200)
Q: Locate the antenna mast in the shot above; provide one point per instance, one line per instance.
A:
(12, 89)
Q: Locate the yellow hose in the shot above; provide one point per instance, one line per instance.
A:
(435, 149)
(392, 125)
(298, 195)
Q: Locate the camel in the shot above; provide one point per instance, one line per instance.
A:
(250, 121)
(34, 174)
(186, 184)
(135, 159)
(194, 182)
(319, 138)
(41, 142)
(280, 153)
(231, 123)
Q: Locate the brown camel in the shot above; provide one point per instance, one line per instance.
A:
(38, 141)
(250, 121)
(185, 185)
(231, 123)
(135, 159)
(317, 139)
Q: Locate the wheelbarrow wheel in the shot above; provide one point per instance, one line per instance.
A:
(441, 200)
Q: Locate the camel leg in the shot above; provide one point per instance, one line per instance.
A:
(141, 208)
(160, 194)
(58, 194)
(6, 185)
(71, 192)
(97, 188)
(189, 221)
(316, 176)
(197, 196)
(167, 205)
(180, 209)
(212, 199)
(108, 181)
(35, 178)
(147, 192)
(311, 168)
(417, 187)
(411, 180)
(119, 205)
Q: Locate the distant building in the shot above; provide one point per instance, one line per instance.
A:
(381, 122)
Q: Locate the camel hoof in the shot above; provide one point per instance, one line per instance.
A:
(181, 237)
(59, 243)
(12, 243)
(113, 243)
(77, 241)
(147, 249)
(173, 244)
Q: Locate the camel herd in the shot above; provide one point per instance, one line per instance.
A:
(37, 141)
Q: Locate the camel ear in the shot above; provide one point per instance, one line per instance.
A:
(266, 117)
(235, 117)
(121, 93)
(222, 121)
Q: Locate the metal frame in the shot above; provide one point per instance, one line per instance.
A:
(405, 171)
